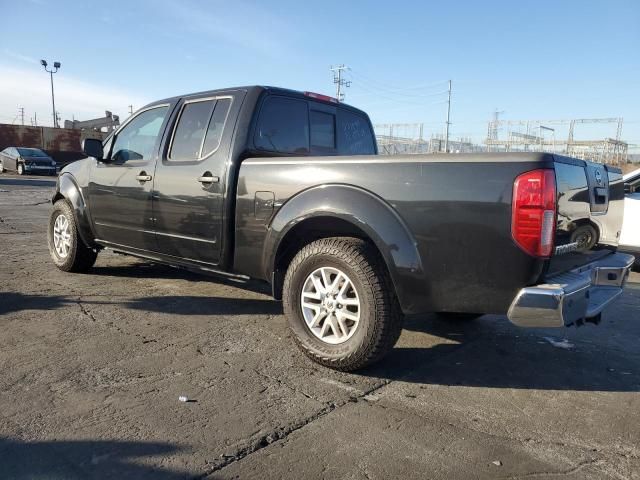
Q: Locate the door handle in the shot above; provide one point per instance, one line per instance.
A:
(207, 177)
(143, 177)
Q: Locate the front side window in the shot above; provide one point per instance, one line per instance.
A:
(283, 126)
(136, 141)
(354, 134)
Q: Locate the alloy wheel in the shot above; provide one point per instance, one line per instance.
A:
(62, 236)
(330, 305)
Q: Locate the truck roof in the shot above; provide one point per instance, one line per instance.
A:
(261, 88)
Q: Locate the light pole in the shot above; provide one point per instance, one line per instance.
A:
(56, 65)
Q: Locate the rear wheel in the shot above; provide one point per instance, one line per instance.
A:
(340, 303)
(1, 167)
(67, 250)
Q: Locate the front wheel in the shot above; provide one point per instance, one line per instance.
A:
(340, 303)
(67, 250)
(20, 169)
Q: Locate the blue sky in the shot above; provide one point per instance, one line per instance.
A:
(540, 59)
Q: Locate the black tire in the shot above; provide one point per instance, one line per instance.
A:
(80, 258)
(381, 318)
(20, 169)
(458, 316)
(586, 236)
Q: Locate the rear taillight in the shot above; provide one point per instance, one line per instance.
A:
(533, 216)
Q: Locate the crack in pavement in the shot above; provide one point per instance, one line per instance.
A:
(577, 468)
(283, 433)
(284, 384)
(85, 312)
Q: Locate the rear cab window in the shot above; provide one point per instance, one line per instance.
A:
(288, 125)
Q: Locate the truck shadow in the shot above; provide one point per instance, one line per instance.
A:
(80, 459)
(11, 302)
(28, 182)
(196, 305)
(491, 353)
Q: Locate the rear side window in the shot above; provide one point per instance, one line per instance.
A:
(323, 129)
(216, 126)
(283, 126)
(354, 134)
(189, 134)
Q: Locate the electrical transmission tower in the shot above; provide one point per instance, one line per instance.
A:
(21, 115)
(339, 81)
(494, 125)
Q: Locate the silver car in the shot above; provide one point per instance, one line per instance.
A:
(27, 160)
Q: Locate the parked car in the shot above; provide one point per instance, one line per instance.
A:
(630, 234)
(287, 187)
(26, 160)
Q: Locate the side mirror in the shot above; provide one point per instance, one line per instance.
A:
(92, 148)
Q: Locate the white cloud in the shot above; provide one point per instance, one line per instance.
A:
(238, 23)
(18, 56)
(30, 87)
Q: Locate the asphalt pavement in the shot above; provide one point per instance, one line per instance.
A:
(93, 365)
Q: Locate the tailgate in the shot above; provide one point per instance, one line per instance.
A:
(590, 209)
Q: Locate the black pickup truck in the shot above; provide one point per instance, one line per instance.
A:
(287, 187)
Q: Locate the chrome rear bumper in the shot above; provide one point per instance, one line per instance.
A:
(574, 296)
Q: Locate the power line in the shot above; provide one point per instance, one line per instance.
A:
(396, 91)
(385, 95)
(386, 86)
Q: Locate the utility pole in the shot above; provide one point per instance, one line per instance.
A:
(35, 119)
(339, 81)
(446, 134)
(56, 65)
(21, 115)
(130, 110)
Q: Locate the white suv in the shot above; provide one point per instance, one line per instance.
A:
(630, 234)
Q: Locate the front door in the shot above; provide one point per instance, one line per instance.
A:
(190, 179)
(120, 187)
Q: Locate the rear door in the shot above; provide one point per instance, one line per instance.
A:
(190, 179)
